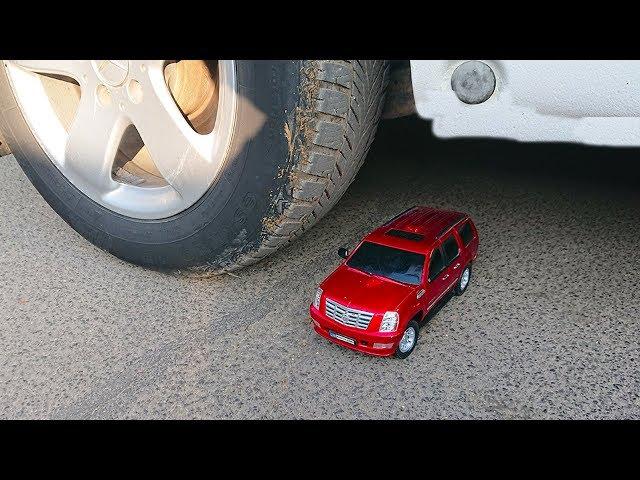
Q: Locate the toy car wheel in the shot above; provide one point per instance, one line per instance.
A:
(198, 165)
(408, 340)
(463, 281)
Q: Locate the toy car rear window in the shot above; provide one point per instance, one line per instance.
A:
(465, 233)
(399, 265)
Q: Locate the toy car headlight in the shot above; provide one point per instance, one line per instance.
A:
(389, 322)
(316, 301)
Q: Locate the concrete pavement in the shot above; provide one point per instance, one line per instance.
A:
(549, 327)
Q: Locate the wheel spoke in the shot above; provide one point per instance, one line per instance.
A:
(176, 149)
(93, 140)
(71, 68)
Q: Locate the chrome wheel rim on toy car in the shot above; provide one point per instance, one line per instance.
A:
(143, 138)
(464, 279)
(407, 340)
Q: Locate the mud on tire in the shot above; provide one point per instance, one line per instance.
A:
(341, 106)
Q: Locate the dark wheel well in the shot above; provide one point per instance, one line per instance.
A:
(418, 317)
(399, 95)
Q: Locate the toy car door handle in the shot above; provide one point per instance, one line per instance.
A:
(445, 277)
(456, 266)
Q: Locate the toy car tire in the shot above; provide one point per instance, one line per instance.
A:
(463, 281)
(399, 353)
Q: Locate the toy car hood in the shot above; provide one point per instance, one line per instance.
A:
(355, 289)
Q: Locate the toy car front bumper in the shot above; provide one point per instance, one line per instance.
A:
(372, 343)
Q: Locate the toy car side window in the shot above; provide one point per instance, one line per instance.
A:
(466, 234)
(436, 264)
(450, 247)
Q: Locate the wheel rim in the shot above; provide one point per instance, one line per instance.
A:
(464, 279)
(131, 107)
(408, 340)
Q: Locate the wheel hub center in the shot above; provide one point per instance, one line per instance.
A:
(111, 72)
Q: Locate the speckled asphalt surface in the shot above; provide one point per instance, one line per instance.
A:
(549, 327)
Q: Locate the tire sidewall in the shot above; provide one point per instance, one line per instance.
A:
(226, 221)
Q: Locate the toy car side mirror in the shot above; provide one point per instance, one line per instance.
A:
(343, 252)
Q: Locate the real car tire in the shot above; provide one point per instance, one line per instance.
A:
(320, 118)
(412, 325)
(462, 284)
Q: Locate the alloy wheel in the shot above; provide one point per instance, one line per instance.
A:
(408, 340)
(143, 138)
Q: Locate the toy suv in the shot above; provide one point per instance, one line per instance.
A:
(374, 300)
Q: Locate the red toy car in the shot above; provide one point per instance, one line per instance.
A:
(374, 300)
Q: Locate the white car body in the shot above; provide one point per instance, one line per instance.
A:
(591, 102)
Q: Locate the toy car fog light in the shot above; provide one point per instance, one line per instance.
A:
(389, 322)
(382, 345)
(316, 301)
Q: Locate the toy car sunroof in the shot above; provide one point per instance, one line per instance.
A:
(416, 237)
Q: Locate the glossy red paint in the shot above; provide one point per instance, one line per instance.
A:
(376, 295)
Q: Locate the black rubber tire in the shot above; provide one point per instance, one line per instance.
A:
(458, 290)
(412, 324)
(321, 119)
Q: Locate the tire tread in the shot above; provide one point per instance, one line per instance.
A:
(345, 105)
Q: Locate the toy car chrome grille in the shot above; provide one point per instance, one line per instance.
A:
(347, 316)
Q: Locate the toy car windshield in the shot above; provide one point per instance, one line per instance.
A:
(395, 264)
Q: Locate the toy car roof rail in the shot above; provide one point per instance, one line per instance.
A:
(399, 215)
(451, 224)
